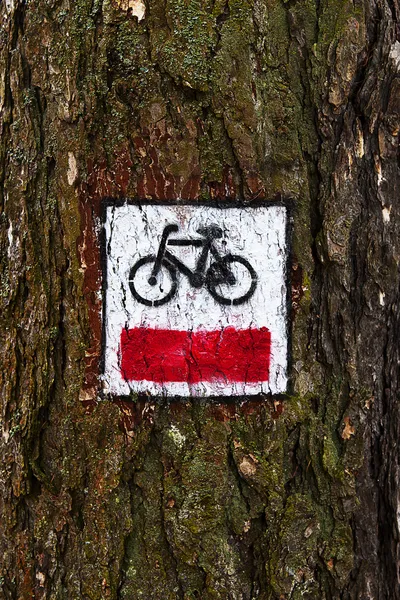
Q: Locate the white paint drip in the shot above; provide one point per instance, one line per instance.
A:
(395, 53)
(378, 169)
(10, 239)
(382, 298)
(386, 214)
(72, 173)
(13, 240)
(9, 6)
(380, 177)
(137, 7)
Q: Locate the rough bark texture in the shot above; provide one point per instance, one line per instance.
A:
(293, 498)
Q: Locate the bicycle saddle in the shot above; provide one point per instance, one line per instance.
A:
(212, 231)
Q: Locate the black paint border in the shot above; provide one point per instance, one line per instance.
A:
(287, 202)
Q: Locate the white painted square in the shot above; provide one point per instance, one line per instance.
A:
(256, 234)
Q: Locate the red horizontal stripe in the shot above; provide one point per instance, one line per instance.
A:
(227, 355)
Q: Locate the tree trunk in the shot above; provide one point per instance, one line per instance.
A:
(293, 497)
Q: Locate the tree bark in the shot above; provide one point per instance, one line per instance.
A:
(293, 497)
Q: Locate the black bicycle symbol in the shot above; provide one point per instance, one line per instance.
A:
(230, 279)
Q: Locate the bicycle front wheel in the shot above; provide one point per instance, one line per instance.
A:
(147, 290)
(231, 280)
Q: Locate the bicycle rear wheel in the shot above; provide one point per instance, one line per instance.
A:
(231, 280)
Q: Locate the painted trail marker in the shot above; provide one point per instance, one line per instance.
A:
(195, 299)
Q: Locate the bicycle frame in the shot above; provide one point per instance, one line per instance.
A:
(195, 277)
(214, 277)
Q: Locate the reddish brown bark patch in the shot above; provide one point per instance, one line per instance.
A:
(297, 287)
(101, 182)
(159, 177)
